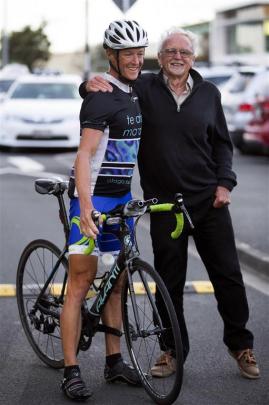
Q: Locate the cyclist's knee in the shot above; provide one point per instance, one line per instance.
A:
(77, 290)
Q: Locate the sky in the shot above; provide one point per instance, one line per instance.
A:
(66, 18)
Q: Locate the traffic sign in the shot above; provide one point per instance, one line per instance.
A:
(124, 5)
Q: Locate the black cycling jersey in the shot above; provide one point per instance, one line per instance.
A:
(118, 115)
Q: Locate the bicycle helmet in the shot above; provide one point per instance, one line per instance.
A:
(125, 34)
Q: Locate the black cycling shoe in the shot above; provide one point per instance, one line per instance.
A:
(74, 387)
(122, 372)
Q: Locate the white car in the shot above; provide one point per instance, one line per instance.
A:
(5, 83)
(9, 74)
(216, 74)
(41, 111)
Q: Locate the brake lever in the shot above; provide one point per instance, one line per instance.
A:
(181, 206)
(95, 217)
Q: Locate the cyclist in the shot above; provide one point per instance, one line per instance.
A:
(111, 125)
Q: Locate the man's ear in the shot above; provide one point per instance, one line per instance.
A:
(159, 59)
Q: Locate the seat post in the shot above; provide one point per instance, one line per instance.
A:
(63, 216)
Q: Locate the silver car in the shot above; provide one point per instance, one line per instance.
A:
(239, 96)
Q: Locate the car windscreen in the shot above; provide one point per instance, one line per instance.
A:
(45, 91)
(5, 85)
(217, 80)
(239, 82)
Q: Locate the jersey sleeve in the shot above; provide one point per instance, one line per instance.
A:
(96, 111)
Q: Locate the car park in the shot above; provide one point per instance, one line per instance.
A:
(256, 134)
(41, 111)
(239, 96)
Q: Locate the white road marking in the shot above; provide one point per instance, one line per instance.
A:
(13, 170)
(26, 164)
(260, 283)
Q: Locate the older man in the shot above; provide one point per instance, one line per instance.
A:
(185, 147)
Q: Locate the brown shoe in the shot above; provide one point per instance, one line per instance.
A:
(164, 366)
(246, 362)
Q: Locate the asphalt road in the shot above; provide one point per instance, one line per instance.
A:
(211, 376)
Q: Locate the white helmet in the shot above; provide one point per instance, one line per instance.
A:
(125, 34)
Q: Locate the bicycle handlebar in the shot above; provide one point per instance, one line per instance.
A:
(136, 208)
(133, 208)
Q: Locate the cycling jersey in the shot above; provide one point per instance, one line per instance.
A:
(118, 115)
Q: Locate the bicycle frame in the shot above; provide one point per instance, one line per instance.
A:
(149, 321)
(128, 252)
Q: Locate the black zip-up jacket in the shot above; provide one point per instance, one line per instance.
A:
(187, 151)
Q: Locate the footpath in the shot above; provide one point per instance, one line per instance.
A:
(250, 211)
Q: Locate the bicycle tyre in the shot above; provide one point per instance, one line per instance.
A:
(145, 349)
(42, 331)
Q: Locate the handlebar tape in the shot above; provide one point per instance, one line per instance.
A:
(179, 217)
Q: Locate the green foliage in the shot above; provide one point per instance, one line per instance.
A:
(30, 47)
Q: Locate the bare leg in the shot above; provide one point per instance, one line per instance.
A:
(112, 317)
(82, 270)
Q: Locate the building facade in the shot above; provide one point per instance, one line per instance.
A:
(240, 35)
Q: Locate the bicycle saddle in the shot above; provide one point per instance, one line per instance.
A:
(50, 186)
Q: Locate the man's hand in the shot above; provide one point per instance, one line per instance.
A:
(222, 197)
(98, 83)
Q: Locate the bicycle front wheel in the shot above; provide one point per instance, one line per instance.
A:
(40, 315)
(152, 332)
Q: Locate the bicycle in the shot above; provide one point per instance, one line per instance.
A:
(41, 285)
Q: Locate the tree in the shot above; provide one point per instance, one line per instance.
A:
(30, 47)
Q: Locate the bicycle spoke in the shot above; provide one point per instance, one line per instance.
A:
(148, 344)
(38, 313)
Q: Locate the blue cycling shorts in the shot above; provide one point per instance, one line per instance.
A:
(106, 240)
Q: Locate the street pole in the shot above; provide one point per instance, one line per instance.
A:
(87, 55)
(125, 5)
(4, 36)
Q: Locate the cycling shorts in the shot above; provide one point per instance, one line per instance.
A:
(106, 240)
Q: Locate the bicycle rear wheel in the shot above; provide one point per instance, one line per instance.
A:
(151, 328)
(41, 319)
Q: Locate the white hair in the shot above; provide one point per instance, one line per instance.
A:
(174, 30)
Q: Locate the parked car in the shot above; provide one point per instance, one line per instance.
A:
(41, 111)
(256, 134)
(9, 74)
(239, 95)
(216, 74)
(5, 83)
